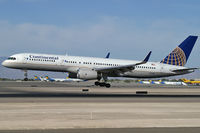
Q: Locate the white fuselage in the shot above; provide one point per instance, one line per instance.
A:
(71, 64)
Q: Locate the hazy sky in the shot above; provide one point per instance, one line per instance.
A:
(129, 29)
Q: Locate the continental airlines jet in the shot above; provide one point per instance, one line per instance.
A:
(90, 68)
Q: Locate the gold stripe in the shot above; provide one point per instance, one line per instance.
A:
(179, 63)
(175, 59)
(181, 57)
(168, 59)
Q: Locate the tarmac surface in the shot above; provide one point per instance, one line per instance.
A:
(81, 107)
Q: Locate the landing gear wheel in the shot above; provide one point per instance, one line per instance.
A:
(102, 84)
(107, 85)
(96, 83)
(25, 79)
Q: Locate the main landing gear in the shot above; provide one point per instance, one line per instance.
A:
(102, 84)
(104, 79)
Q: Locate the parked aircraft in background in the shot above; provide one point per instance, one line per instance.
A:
(67, 79)
(148, 82)
(155, 82)
(144, 82)
(91, 68)
(162, 82)
(39, 78)
(191, 81)
(173, 83)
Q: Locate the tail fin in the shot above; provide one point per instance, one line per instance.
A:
(185, 80)
(36, 78)
(180, 54)
(67, 75)
(47, 77)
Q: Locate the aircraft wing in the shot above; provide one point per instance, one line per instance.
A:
(122, 68)
(186, 69)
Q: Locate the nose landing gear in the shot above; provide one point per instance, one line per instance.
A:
(25, 75)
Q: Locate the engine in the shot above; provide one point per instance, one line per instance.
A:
(87, 74)
(72, 75)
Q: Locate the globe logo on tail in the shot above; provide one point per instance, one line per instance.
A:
(176, 57)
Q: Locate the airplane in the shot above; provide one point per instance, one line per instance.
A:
(155, 82)
(91, 68)
(144, 82)
(190, 81)
(162, 82)
(39, 78)
(173, 83)
(63, 80)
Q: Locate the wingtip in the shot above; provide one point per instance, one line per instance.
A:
(148, 56)
(108, 55)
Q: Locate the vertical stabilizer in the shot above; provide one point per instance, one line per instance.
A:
(180, 54)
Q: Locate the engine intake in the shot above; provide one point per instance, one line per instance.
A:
(72, 75)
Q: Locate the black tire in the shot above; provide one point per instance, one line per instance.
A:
(102, 84)
(96, 83)
(25, 79)
(107, 85)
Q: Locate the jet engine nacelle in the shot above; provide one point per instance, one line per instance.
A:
(72, 75)
(87, 74)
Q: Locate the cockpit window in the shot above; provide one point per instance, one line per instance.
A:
(11, 58)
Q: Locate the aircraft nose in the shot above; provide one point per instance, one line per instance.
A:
(4, 63)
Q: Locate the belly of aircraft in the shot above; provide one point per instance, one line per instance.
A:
(146, 74)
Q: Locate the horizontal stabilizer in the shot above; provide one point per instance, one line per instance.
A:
(186, 69)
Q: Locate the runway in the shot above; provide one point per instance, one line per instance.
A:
(60, 107)
(108, 130)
